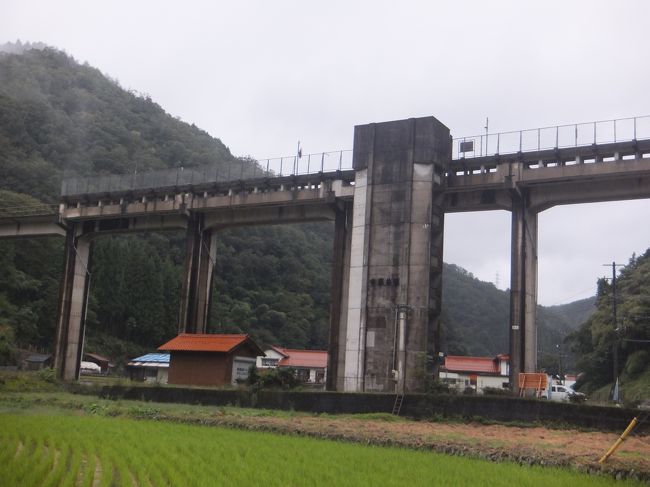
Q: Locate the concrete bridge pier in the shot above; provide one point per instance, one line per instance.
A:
(394, 285)
(196, 289)
(339, 287)
(73, 301)
(523, 289)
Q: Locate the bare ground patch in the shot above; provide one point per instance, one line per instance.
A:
(527, 445)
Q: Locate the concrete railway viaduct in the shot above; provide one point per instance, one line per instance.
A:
(388, 208)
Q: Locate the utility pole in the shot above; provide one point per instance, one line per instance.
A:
(615, 324)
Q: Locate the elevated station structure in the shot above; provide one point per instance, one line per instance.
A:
(388, 210)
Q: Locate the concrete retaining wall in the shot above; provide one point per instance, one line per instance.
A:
(417, 406)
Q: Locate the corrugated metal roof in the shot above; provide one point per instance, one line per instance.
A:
(153, 357)
(97, 357)
(315, 359)
(156, 365)
(457, 363)
(38, 358)
(198, 342)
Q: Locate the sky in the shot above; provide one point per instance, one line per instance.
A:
(262, 75)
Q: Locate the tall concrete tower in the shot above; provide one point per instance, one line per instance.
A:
(391, 280)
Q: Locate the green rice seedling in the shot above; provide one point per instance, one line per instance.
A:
(71, 474)
(96, 450)
(34, 465)
(84, 470)
(63, 453)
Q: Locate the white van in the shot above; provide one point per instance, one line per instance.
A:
(561, 393)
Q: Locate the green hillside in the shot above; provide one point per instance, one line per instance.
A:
(476, 320)
(593, 341)
(58, 116)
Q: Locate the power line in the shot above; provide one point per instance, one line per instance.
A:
(571, 297)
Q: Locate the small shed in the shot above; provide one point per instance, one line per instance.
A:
(103, 362)
(37, 361)
(210, 359)
(152, 367)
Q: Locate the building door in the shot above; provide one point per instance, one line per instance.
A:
(241, 367)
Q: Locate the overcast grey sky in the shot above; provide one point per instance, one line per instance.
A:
(262, 75)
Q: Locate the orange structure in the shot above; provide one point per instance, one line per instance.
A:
(536, 381)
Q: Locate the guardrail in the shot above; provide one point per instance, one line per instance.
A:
(553, 137)
(22, 211)
(240, 170)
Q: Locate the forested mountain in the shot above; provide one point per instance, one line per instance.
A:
(59, 116)
(576, 312)
(593, 341)
(476, 320)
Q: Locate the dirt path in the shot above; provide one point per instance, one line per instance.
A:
(534, 445)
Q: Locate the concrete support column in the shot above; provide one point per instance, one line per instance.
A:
(338, 293)
(435, 280)
(196, 291)
(396, 255)
(73, 299)
(351, 372)
(523, 290)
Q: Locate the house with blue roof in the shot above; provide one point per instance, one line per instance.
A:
(152, 367)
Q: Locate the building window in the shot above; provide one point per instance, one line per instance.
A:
(269, 362)
(242, 372)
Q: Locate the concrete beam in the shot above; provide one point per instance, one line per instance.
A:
(546, 196)
(478, 200)
(270, 215)
(627, 169)
(24, 228)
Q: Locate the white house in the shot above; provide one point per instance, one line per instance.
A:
(271, 359)
(310, 365)
(477, 373)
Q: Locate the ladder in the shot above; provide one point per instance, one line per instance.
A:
(397, 407)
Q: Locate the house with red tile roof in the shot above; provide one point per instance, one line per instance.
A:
(210, 359)
(463, 372)
(310, 365)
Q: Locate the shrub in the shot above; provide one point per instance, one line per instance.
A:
(637, 363)
(8, 352)
(495, 391)
(279, 378)
(577, 398)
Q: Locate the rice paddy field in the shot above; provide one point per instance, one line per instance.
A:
(68, 448)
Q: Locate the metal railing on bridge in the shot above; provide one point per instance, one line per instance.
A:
(246, 168)
(554, 137)
(13, 211)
